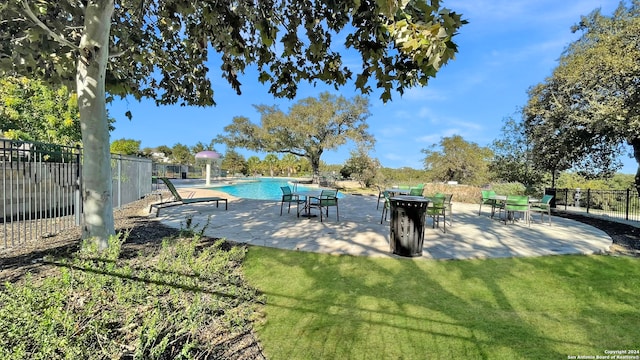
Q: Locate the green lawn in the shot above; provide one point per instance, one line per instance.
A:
(342, 307)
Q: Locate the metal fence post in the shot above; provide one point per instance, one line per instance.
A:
(78, 186)
(119, 183)
(627, 205)
(139, 172)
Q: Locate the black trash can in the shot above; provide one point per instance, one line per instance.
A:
(183, 175)
(407, 225)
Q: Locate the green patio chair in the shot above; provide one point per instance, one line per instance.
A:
(437, 208)
(514, 204)
(486, 200)
(327, 198)
(289, 198)
(449, 207)
(544, 206)
(415, 191)
(447, 204)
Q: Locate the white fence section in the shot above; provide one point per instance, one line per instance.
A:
(41, 183)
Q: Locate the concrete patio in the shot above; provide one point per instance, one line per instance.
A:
(359, 232)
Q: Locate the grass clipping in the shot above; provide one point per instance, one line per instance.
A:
(184, 301)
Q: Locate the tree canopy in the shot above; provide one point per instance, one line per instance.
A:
(125, 147)
(455, 159)
(582, 115)
(234, 162)
(311, 127)
(200, 146)
(33, 111)
(512, 156)
(161, 50)
(181, 154)
(361, 167)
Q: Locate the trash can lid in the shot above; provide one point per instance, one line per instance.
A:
(409, 198)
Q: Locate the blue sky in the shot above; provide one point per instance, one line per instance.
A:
(507, 47)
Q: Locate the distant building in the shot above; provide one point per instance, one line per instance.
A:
(159, 157)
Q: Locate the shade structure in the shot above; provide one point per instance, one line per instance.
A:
(208, 154)
(211, 157)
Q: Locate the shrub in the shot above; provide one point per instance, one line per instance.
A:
(512, 188)
(173, 304)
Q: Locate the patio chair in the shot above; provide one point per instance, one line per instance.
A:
(437, 208)
(289, 197)
(385, 207)
(415, 191)
(514, 204)
(380, 196)
(449, 207)
(179, 200)
(544, 206)
(486, 200)
(326, 199)
(447, 204)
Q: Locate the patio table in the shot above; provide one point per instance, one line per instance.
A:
(503, 200)
(396, 191)
(308, 194)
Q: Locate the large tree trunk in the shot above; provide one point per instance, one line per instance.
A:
(97, 195)
(315, 169)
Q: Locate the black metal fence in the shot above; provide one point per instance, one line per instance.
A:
(40, 191)
(131, 178)
(612, 204)
(177, 171)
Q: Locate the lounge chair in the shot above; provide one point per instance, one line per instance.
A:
(179, 200)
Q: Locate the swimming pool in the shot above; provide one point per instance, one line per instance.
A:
(261, 189)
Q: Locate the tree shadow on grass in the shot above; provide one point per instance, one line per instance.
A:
(356, 307)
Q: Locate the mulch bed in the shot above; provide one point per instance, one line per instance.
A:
(145, 236)
(626, 238)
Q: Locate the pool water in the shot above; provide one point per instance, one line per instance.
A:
(262, 189)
